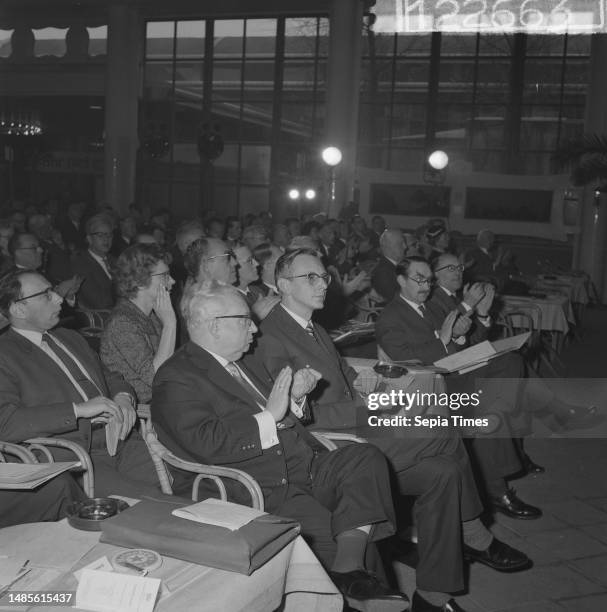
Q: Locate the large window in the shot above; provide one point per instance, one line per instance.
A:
(256, 84)
(500, 102)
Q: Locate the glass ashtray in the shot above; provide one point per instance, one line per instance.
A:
(390, 370)
(89, 514)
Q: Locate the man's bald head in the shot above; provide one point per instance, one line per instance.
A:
(485, 239)
(392, 244)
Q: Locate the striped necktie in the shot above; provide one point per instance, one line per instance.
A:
(235, 372)
(89, 388)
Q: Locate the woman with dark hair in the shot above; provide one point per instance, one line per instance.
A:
(140, 333)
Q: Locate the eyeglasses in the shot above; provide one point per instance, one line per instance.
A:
(244, 317)
(48, 292)
(226, 254)
(313, 278)
(452, 268)
(250, 260)
(32, 248)
(422, 281)
(166, 274)
(102, 234)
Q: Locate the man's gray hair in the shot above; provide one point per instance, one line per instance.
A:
(205, 300)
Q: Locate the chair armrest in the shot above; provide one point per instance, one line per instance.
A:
(20, 452)
(205, 472)
(88, 478)
(328, 438)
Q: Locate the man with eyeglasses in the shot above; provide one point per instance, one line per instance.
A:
(94, 265)
(210, 407)
(53, 384)
(434, 469)
(412, 327)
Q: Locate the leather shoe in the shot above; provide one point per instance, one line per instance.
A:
(360, 588)
(499, 556)
(530, 467)
(510, 505)
(419, 604)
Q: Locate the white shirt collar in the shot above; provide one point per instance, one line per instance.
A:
(97, 258)
(413, 305)
(272, 287)
(33, 336)
(447, 291)
(393, 261)
(222, 360)
(299, 320)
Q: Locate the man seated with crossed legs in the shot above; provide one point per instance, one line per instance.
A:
(432, 467)
(208, 407)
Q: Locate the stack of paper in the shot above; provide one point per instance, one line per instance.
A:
(30, 475)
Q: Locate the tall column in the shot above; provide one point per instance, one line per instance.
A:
(592, 241)
(122, 86)
(341, 123)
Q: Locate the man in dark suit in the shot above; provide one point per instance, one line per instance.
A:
(483, 262)
(209, 407)
(53, 384)
(71, 228)
(383, 279)
(412, 328)
(94, 265)
(434, 469)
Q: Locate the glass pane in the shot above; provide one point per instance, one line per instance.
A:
(256, 124)
(228, 38)
(487, 161)
(458, 45)
(190, 39)
(542, 80)
(188, 82)
(50, 41)
(300, 36)
(488, 127)
(188, 116)
(578, 45)
(459, 72)
(408, 124)
(545, 45)
(414, 44)
(259, 77)
(297, 121)
(226, 166)
(159, 39)
(576, 74)
(225, 200)
(227, 77)
(186, 152)
(496, 44)
(539, 128)
(5, 43)
(409, 159)
(97, 40)
(261, 37)
(254, 200)
(323, 37)
(158, 79)
(453, 123)
(255, 164)
(383, 45)
(298, 75)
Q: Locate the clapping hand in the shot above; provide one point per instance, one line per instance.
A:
(446, 331)
(304, 381)
(278, 402)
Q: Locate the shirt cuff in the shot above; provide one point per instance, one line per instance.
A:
(466, 307)
(297, 407)
(267, 429)
(486, 321)
(129, 395)
(461, 340)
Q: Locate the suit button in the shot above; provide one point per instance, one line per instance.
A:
(283, 481)
(279, 452)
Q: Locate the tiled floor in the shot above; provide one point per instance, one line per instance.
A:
(569, 543)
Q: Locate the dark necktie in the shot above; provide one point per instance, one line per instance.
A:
(422, 309)
(89, 388)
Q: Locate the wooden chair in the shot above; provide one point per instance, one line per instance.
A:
(41, 445)
(162, 456)
(14, 450)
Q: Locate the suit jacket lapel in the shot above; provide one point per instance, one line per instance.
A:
(218, 375)
(413, 313)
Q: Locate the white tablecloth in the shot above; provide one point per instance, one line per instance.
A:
(556, 311)
(55, 550)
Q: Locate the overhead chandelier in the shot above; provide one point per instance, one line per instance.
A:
(20, 123)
